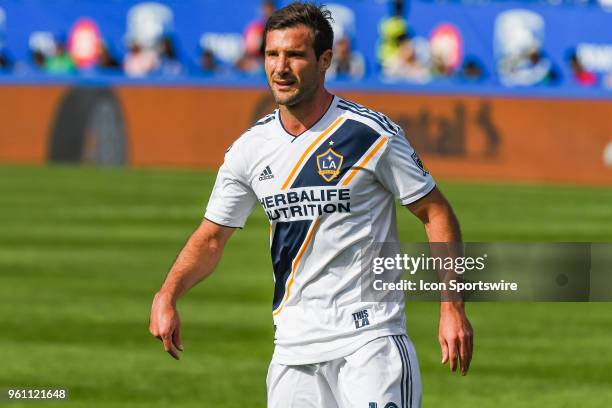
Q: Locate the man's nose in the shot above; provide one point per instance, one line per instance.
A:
(282, 64)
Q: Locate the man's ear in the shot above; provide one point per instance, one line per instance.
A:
(325, 60)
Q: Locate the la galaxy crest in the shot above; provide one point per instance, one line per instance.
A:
(329, 164)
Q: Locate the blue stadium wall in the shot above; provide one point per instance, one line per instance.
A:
(566, 27)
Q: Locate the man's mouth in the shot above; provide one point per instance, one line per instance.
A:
(284, 84)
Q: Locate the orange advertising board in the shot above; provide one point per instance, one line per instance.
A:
(459, 137)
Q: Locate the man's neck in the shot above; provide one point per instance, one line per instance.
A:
(297, 119)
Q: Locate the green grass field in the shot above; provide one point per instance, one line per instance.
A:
(82, 252)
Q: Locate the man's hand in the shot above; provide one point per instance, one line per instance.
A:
(165, 324)
(195, 262)
(456, 336)
(455, 333)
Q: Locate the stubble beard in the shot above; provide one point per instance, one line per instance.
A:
(284, 99)
(293, 99)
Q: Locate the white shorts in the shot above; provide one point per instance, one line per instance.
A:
(382, 374)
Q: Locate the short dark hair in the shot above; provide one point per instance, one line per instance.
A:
(315, 17)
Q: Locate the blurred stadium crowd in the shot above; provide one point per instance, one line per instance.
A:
(402, 54)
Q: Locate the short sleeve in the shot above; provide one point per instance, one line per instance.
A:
(232, 199)
(401, 171)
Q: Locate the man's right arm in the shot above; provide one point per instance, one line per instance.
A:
(195, 262)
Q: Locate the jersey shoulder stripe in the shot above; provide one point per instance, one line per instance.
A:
(365, 115)
(254, 130)
(268, 118)
(380, 119)
(380, 115)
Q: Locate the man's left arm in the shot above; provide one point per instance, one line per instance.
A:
(455, 332)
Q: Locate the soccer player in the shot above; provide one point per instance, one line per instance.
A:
(326, 171)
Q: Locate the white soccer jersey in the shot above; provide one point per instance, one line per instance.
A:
(328, 193)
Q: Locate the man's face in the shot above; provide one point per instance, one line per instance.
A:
(292, 69)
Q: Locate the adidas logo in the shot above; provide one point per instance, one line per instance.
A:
(266, 174)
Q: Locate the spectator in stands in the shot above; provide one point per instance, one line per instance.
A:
(405, 65)
(140, 62)
(551, 75)
(34, 64)
(392, 31)
(252, 60)
(38, 59)
(5, 62)
(472, 70)
(440, 67)
(529, 68)
(169, 64)
(208, 62)
(60, 62)
(581, 75)
(346, 63)
(106, 60)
